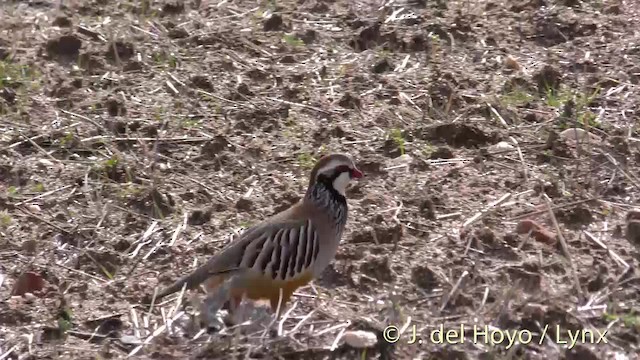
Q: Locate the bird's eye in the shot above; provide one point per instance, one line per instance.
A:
(342, 168)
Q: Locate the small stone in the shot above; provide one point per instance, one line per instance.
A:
(130, 340)
(34, 208)
(501, 146)
(401, 160)
(577, 134)
(360, 339)
(46, 163)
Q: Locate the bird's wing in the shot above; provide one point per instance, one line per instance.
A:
(280, 248)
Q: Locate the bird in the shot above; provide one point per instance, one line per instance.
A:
(270, 260)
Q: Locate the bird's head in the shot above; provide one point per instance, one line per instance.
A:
(335, 170)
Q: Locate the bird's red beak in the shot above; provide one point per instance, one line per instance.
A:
(355, 173)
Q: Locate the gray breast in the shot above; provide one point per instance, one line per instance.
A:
(336, 211)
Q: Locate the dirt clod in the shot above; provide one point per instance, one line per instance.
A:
(8, 94)
(547, 79)
(350, 101)
(633, 215)
(577, 216)
(28, 282)
(457, 134)
(30, 246)
(90, 63)
(580, 352)
(377, 267)
(102, 262)
(613, 9)
(115, 107)
(552, 189)
(244, 204)
(424, 277)
(151, 202)
(389, 234)
(442, 152)
(215, 147)
(119, 50)
(537, 231)
(380, 234)
(61, 21)
(121, 245)
(382, 66)
(243, 89)
(308, 37)
(598, 282)
(529, 281)
(632, 231)
(486, 237)
(65, 46)
(201, 82)
(558, 147)
(178, 33)
(273, 23)
(428, 208)
(199, 217)
(367, 38)
(172, 7)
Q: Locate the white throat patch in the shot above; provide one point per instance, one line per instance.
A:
(341, 183)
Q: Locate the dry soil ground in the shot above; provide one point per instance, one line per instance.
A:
(138, 135)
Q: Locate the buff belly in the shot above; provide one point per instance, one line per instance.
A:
(263, 288)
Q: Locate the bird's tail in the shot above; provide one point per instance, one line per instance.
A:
(193, 280)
